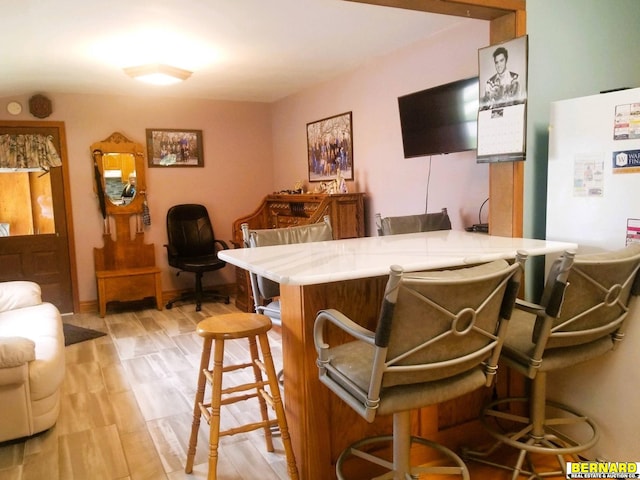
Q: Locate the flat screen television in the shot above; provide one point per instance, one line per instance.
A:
(441, 119)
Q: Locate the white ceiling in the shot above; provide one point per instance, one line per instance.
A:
(251, 50)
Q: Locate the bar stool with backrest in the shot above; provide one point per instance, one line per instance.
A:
(581, 316)
(438, 336)
(266, 292)
(424, 222)
(216, 330)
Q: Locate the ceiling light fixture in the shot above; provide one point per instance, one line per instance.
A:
(158, 74)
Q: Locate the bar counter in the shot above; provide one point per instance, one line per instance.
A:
(350, 275)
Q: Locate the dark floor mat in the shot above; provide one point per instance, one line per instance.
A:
(74, 334)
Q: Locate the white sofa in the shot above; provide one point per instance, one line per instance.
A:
(32, 361)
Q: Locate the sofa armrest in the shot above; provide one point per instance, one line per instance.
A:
(16, 351)
(19, 294)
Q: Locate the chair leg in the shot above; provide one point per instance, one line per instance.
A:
(257, 373)
(216, 401)
(267, 358)
(198, 292)
(197, 411)
(402, 443)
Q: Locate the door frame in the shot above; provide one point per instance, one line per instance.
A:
(73, 271)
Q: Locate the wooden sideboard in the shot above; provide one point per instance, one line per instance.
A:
(346, 211)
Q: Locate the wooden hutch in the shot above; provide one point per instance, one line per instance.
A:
(346, 211)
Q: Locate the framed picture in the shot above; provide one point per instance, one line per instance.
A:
(174, 148)
(330, 148)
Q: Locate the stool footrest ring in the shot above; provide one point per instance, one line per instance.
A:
(561, 432)
(355, 450)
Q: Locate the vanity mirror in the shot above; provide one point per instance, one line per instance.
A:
(120, 175)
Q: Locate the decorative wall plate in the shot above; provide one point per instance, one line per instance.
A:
(14, 108)
(40, 106)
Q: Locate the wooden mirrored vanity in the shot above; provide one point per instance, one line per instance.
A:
(125, 265)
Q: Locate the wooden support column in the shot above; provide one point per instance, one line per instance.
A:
(506, 180)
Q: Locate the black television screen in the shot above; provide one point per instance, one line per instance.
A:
(440, 120)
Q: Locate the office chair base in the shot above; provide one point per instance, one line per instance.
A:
(190, 297)
(413, 472)
(563, 432)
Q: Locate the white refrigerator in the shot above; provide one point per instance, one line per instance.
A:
(593, 199)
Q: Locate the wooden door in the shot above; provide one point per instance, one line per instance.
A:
(40, 247)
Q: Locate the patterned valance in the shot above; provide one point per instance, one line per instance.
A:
(21, 151)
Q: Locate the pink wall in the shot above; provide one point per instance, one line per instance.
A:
(394, 185)
(237, 173)
(252, 149)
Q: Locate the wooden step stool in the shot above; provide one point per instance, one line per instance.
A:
(227, 327)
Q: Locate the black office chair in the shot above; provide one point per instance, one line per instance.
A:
(425, 222)
(193, 248)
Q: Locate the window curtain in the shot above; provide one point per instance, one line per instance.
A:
(19, 151)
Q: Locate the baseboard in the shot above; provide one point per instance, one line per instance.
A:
(91, 306)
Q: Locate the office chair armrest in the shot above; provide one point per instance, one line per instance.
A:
(222, 243)
(171, 250)
(344, 323)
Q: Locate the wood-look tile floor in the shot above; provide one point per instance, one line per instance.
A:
(127, 403)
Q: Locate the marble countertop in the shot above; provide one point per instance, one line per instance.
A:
(337, 260)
